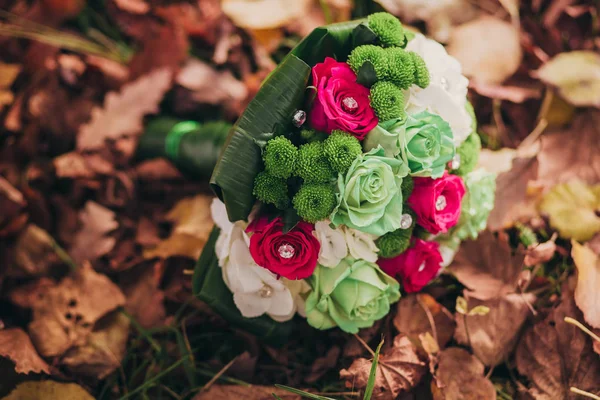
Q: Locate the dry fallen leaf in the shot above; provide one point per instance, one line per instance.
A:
(264, 14)
(16, 345)
(477, 45)
(493, 336)
(254, 392)
(123, 112)
(399, 369)
(460, 377)
(556, 356)
(576, 75)
(92, 241)
(103, 350)
(48, 390)
(144, 298)
(75, 165)
(64, 314)
(8, 74)
(324, 364)
(412, 319)
(587, 292)
(133, 6)
(193, 225)
(540, 253)
(488, 266)
(35, 252)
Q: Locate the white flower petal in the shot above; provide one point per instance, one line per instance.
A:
(251, 305)
(333, 244)
(361, 245)
(282, 305)
(219, 215)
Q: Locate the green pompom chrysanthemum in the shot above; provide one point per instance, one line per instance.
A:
(394, 243)
(271, 190)
(280, 157)
(401, 68)
(314, 201)
(388, 29)
(407, 187)
(387, 101)
(341, 149)
(369, 53)
(421, 76)
(468, 154)
(312, 164)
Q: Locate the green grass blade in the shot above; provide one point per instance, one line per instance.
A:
(373, 373)
(303, 393)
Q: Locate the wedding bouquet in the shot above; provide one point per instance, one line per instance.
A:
(349, 179)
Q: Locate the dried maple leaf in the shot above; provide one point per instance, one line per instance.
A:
(64, 314)
(460, 377)
(571, 153)
(556, 356)
(400, 369)
(412, 319)
(92, 241)
(488, 266)
(587, 292)
(75, 165)
(123, 112)
(103, 350)
(35, 252)
(48, 390)
(253, 392)
(16, 345)
(193, 225)
(144, 298)
(493, 336)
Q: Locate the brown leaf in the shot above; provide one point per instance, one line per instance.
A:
(16, 345)
(460, 377)
(64, 314)
(123, 112)
(193, 225)
(92, 241)
(103, 350)
(75, 165)
(400, 369)
(48, 390)
(540, 253)
(34, 252)
(157, 169)
(252, 15)
(8, 73)
(477, 44)
(412, 320)
(488, 266)
(572, 152)
(587, 292)
(516, 94)
(133, 6)
(493, 336)
(556, 356)
(254, 392)
(144, 298)
(323, 364)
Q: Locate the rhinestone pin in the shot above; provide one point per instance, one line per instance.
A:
(286, 251)
(421, 267)
(405, 221)
(349, 104)
(265, 291)
(455, 163)
(299, 118)
(440, 203)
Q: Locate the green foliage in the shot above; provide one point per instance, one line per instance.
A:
(312, 164)
(374, 55)
(526, 235)
(395, 243)
(388, 29)
(387, 101)
(401, 68)
(469, 154)
(280, 157)
(341, 149)
(271, 190)
(407, 187)
(314, 201)
(421, 77)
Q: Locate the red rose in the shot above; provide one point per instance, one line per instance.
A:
(341, 103)
(292, 255)
(437, 202)
(416, 267)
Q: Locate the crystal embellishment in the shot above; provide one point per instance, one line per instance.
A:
(440, 203)
(349, 104)
(265, 291)
(455, 163)
(405, 221)
(286, 251)
(299, 118)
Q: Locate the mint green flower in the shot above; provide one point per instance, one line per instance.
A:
(476, 205)
(369, 194)
(424, 141)
(352, 295)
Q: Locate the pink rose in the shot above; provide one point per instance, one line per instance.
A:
(341, 103)
(437, 202)
(416, 267)
(292, 255)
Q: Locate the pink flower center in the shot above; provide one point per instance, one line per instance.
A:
(286, 251)
(349, 104)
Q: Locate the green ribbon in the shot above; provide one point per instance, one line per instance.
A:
(174, 137)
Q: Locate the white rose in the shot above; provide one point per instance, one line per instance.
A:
(361, 244)
(446, 94)
(230, 231)
(333, 244)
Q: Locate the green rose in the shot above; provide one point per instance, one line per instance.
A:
(370, 196)
(352, 295)
(476, 205)
(424, 141)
